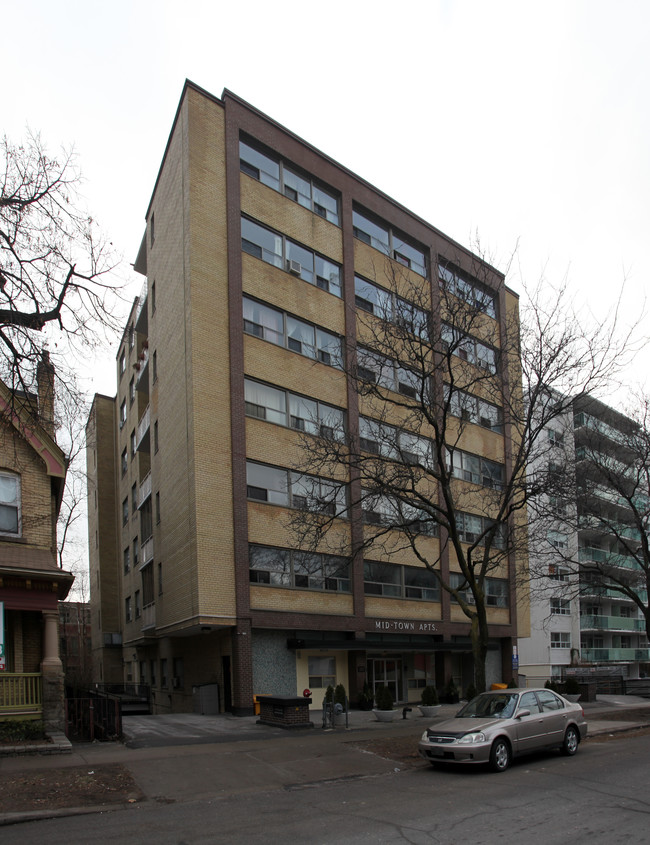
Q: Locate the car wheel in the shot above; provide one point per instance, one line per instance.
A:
(500, 755)
(571, 741)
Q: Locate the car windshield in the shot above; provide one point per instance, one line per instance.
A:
(489, 705)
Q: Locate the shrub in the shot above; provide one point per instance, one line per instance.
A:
(429, 696)
(16, 730)
(384, 699)
(329, 694)
(571, 686)
(339, 695)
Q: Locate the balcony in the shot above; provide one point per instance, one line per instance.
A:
(147, 552)
(21, 694)
(589, 554)
(149, 617)
(144, 426)
(142, 369)
(145, 490)
(141, 321)
(611, 655)
(592, 590)
(611, 623)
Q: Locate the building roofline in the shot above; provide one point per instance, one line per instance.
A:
(229, 95)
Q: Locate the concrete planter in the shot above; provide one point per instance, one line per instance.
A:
(428, 710)
(385, 715)
(573, 696)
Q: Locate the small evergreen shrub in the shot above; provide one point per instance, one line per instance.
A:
(429, 696)
(384, 699)
(339, 695)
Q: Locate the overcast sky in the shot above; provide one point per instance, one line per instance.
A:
(524, 121)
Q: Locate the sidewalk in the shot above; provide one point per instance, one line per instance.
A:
(185, 757)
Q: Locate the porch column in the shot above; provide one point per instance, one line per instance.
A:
(52, 672)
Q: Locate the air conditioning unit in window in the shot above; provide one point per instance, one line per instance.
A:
(294, 267)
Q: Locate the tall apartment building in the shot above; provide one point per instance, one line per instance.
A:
(582, 621)
(257, 254)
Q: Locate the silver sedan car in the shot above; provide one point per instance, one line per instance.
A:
(496, 726)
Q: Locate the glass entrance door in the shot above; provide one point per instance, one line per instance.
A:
(386, 671)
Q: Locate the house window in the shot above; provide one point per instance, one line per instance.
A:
(286, 180)
(476, 469)
(387, 306)
(286, 254)
(289, 409)
(322, 672)
(373, 368)
(303, 570)
(495, 590)
(128, 612)
(560, 607)
(283, 330)
(10, 510)
(560, 639)
(387, 240)
(467, 288)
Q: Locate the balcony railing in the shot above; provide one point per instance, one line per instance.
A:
(145, 490)
(588, 554)
(143, 430)
(588, 590)
(611, 623)
(147, 552)
(605, 655)
(21, 693)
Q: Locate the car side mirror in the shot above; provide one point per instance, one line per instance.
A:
(523, 713)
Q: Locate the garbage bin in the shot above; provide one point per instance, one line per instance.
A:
(256, 702)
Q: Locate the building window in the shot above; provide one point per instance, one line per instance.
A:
(468, 349)
(147, 585)
(131, 336)
(560, 639)
(157, 508)
(289, 409)
(555, 438)
(134, 444)
(122, 363)
(128, 613)
(476, 469)
(10, 510)
(393, 581)
(153, 298)
(154, 367)
(136, 553)
(132, 391)
(387, 306)
(281, 252)
(474, 410)
(495, 589)
(394, 444)
(287, 180)
(152, 229)
(560, 607)
(123, 413)
(387, 240)
(467, 288)
(279, 486)
(389, 512)
(322, 672)
(163, 673)
(124, 462)
(558, 540)
(127, 560)
(384, 372)
(134, 499)
(471, 527)
(125, 511)
(178, 681)
(283, 330)
(155, 436)
(303, 570)
(138, 609)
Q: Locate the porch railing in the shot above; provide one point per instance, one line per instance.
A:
(21, 693)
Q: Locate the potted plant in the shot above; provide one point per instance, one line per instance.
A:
(384, 711)
(366, 697)
(340, 704)
(430, 702)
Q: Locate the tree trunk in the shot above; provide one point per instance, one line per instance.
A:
(479, 634)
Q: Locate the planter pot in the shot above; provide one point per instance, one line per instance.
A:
(385, 715)
(428, 710)
(572, 696)
(339, 719)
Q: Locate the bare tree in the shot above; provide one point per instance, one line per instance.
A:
(438, 369)
(56, 287)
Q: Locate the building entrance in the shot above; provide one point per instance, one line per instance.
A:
(386, 671)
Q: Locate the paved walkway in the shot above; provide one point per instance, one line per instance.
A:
(187, 757)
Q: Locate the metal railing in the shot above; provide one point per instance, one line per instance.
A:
(21, 693)
(94, 718)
